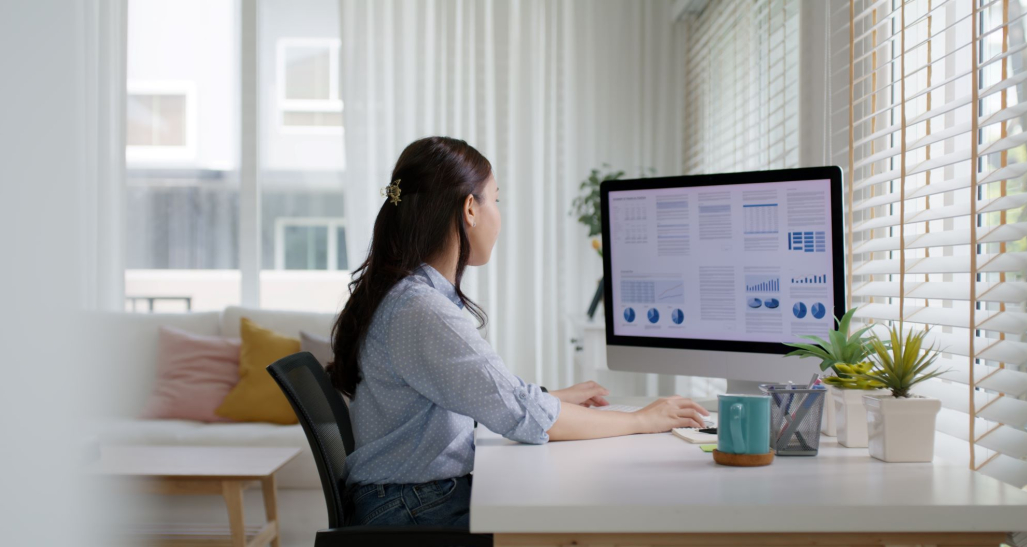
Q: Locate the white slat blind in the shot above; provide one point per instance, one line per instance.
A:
(935, 96)
(742, 82)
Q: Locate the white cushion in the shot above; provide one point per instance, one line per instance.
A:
(289, 323)
(301, 472)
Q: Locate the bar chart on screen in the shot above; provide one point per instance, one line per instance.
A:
(810, 280)
(758, 283)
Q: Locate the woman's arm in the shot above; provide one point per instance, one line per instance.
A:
(577, 422)
(436, 349)
(584, 394)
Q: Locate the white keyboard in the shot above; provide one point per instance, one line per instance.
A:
(619, 408)
(629, 408)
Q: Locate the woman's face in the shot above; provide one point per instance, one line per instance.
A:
(482, 222)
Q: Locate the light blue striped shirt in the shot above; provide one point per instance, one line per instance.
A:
(427, 375)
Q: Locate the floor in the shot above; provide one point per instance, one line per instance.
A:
(301, 512)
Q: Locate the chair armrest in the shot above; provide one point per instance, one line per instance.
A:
(400, 536)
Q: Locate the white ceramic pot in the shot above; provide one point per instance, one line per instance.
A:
(851, 416)
(901, 430)
(827, 423)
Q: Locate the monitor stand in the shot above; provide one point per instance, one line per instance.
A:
(744, 387)
(736, 387)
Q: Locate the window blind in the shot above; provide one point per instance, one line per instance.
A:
(935, 151)
(741, 91)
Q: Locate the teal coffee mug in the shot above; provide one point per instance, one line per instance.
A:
(744, 424)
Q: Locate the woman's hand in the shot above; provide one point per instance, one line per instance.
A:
(585, 394)
(670, 412)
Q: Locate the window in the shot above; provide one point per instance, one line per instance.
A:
(308, 73)
(203, 232)
(310, 244)
(160, 121)
(182, 192)
(300, 169)
(936, 157)
(741, 86)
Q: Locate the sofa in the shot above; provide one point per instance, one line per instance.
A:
(128, 342)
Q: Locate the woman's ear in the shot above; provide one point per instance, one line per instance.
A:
(470, 210)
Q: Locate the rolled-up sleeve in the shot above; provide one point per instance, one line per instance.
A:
(436, 350)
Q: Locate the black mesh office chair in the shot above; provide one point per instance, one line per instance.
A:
(325, 419)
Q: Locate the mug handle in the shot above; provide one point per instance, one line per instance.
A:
(737, 412)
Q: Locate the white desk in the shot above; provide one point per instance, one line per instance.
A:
(639, 489)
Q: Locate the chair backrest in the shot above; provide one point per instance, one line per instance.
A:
(325, 419)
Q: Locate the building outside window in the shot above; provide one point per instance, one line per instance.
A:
(310, 244)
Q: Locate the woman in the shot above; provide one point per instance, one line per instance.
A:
(417, 370)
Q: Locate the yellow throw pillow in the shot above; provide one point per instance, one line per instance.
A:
(257, 398)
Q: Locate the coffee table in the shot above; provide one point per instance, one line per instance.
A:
(224, 471)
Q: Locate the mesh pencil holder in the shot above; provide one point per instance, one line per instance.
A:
(794, 419)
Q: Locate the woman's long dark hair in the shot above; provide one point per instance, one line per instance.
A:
(436, 175)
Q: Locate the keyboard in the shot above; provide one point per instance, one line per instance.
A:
(629, 408)
(619, 408)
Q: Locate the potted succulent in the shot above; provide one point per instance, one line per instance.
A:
(901, 424)
(846, 356)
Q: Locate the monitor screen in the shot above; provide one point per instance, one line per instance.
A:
(728, 258)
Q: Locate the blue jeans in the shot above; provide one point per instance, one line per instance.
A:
(445, 502)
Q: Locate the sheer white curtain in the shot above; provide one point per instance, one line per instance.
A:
(546, 90)
(102, 99)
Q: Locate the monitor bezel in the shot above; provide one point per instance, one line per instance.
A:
(832, 173)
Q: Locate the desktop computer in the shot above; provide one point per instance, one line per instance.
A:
(709, 275)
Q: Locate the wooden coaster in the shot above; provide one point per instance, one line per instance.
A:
(743, 460)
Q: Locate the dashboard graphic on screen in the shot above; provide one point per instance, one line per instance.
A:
(725, 262)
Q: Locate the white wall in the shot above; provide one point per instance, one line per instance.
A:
(45, 138)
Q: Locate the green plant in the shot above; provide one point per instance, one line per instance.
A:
(849, 376)
(902, 363)
(843, 353)
(587, 207)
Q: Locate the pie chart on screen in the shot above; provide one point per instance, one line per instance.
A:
(799, 310)
(654, 315)
(629, 315)
(818, 310)
(677, 316)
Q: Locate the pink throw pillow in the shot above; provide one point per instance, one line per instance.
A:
(194, 373)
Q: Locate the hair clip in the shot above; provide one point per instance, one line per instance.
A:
(392, 191)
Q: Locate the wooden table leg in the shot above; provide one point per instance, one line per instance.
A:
(232, 492)
(270, 488)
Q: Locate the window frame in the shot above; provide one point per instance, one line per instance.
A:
(331, 223)
(285, 105)
(150, 154)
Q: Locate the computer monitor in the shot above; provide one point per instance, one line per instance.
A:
(709, 275)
